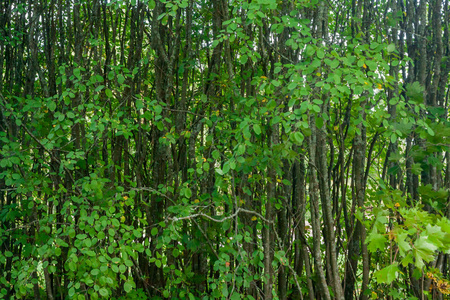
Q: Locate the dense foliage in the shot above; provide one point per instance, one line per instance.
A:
(224, 150)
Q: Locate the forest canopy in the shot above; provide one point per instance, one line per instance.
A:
(225, 149)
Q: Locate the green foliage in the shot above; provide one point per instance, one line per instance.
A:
(252, 150)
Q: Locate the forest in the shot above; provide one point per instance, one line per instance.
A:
(224, 149)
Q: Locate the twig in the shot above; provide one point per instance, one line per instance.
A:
(239, 210)
(207, 239)
(149, 189)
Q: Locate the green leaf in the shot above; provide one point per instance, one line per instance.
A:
(276, 83)
(226, 167)
(120, 79)
(243, 59)
(232, 164)
(297, 138)
(320, 53)
(154, 231)
(246, 132)
(372, 65)
(376, 241)
(236, 296)
(436, 236)
(158, 263)
(225, 290)
(415, 91)
(175, 252)
(310, 50)
(51, 105)
(292, 85)
(99, 78)
(108, 93)
(81, 236)
(275, 120)
(423, 251)
(95, 272)
(286, 182)
(393, 138)
(216, 154)
(77, 74)
(390, 48)
(416, 169)
(403, 245)
(115, 268)
(158, 109)
(240, 149)
(103, 292)
(122, 268)
(387, 274)
(187, 192)
(257, 129)
(136, 233)
(72, 266)
(292, 101)
(139, 104)
(333, 64)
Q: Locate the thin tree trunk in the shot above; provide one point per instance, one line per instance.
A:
(315, 215)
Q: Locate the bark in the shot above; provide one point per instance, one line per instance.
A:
(315, 214)
(327, 213)
(268, 232)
